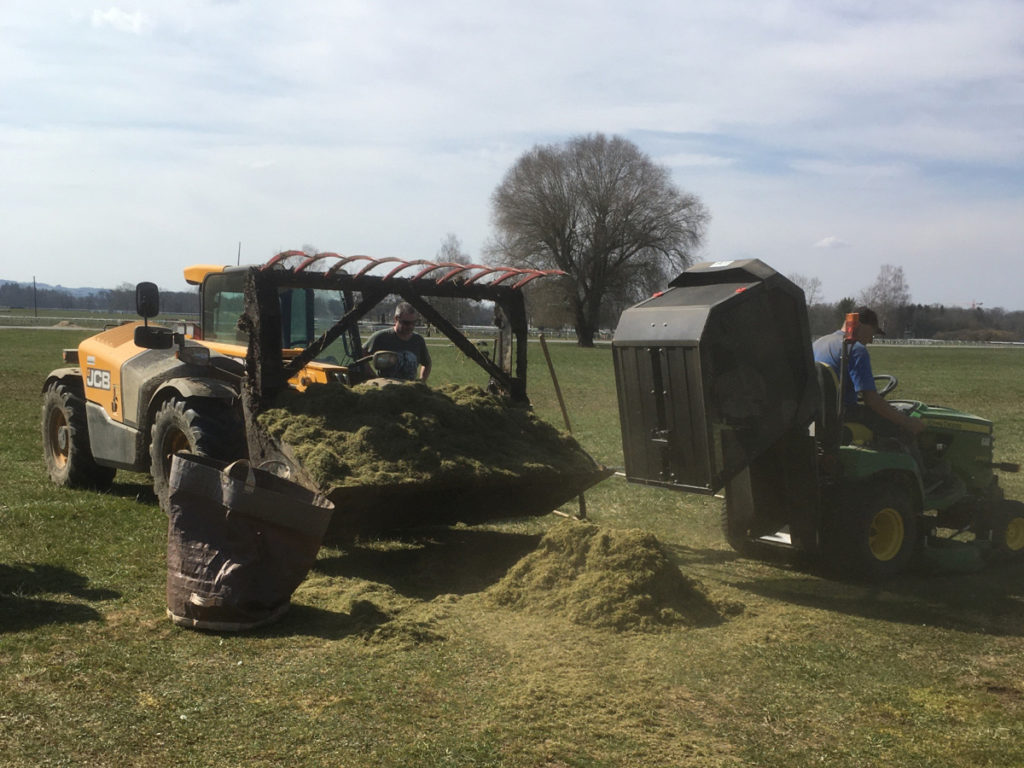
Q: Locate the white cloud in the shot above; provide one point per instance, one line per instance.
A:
(831, 243)
(120, 20)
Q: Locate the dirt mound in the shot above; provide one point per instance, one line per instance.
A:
(411, 433)
(618, 579)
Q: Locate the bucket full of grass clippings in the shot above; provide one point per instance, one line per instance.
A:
(240, 541)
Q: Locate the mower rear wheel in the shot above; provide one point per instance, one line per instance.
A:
(66, 449)
(877, 531)
(1008, 528)
(202, 426)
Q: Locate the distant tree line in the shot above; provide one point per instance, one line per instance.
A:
(120, 299)
(889, 296)
(929, 321)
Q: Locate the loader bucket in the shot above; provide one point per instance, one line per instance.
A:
(364, 510)
(408, 456)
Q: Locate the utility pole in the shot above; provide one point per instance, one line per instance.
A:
(35, 301)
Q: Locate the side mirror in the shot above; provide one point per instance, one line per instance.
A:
(153, 337)
(147, 300)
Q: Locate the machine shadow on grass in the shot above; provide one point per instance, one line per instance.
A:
(20, 609)
(421, 565)
(307, 620)
(989, 600)
(986, 602)
(140, 491)
(429, 562)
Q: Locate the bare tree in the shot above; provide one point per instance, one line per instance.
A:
(548, 305)
(602, 211)
(458, 311)
(887, 294)
(811, 286)
(451, 250)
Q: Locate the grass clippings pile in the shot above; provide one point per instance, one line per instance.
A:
(616, 579)
(411, 433)
(378, 613)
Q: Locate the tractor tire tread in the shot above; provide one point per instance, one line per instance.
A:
(74, 467)
(211, 428)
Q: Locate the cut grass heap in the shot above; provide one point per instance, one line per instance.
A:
(410, 433)
(616, 579)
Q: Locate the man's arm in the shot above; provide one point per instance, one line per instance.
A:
(879, 405)
(424, 360)
(371, 344)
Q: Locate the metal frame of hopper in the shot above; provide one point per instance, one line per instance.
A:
(375, 280)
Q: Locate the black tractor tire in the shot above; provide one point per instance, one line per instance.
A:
(66, 449)
(202, 426)
(876, 533)
(1008, 528)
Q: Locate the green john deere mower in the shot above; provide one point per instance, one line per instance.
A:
(718, 390)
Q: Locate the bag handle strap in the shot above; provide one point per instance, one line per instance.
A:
(239, 470)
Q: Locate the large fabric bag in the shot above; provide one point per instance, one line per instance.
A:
(240, 540)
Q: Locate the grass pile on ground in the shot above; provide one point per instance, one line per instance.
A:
(411, 433)
(618, 579)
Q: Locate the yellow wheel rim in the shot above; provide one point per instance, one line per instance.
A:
(886, 535)
(59, 438)
(1015, 534)
(174, 442)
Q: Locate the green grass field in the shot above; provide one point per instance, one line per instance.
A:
(799, 670)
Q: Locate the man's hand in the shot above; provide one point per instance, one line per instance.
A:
(879, 405)
(914, 426)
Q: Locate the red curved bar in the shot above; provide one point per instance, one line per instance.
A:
(455, 271)
(535, 274)
(377, 262)
(283, 255)
(318, 257)
(483, 273)
(346, 260)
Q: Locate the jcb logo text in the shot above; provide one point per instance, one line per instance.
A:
(98, 379)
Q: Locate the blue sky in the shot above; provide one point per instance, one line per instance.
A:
(827, 138)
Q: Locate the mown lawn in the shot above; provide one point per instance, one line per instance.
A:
(394, 654)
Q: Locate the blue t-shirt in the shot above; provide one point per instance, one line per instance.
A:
(859, 377)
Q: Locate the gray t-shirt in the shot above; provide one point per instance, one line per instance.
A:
(412, 352)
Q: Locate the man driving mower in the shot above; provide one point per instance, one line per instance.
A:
(861, 401)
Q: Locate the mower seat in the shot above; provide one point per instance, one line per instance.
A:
(827, 425)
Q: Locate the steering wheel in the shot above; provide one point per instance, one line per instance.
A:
(890, 383)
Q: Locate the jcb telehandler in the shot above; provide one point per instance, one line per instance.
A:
(718, 389)
(132, 396)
